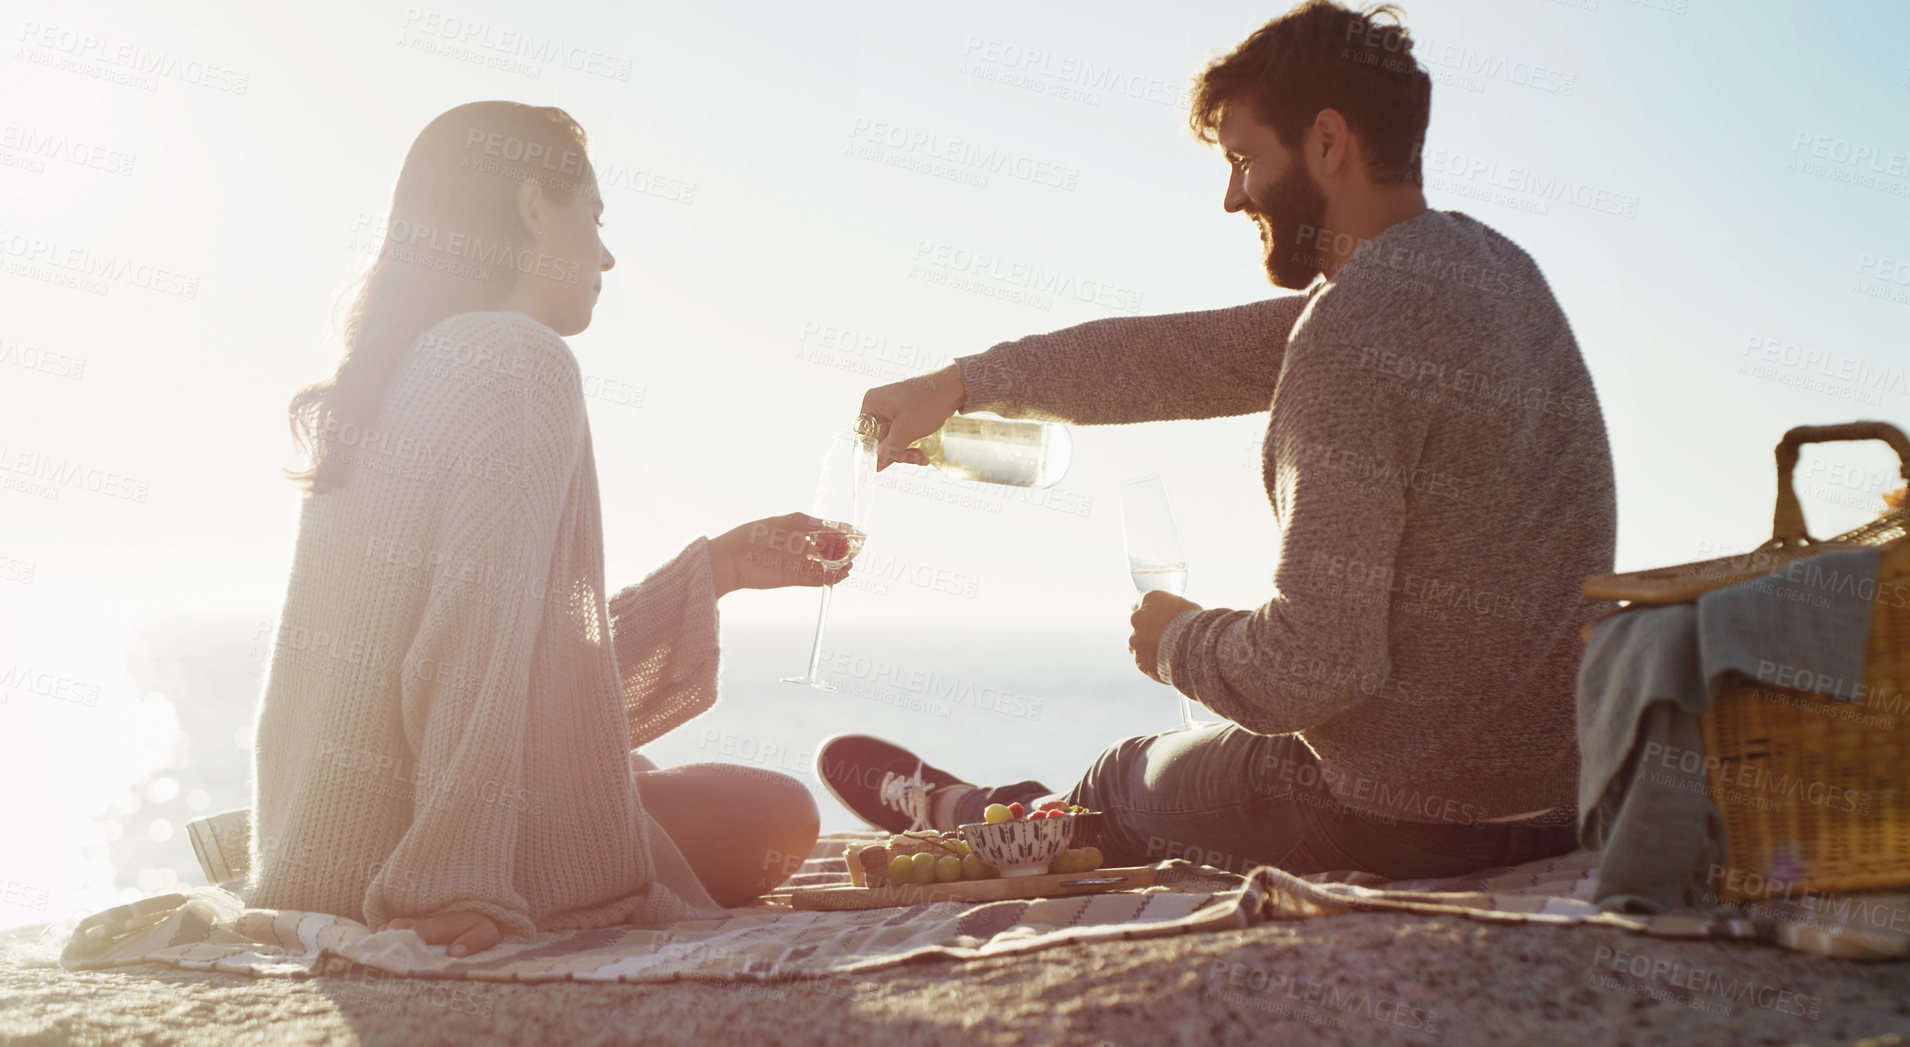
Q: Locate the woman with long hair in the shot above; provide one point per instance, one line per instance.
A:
(446, 738)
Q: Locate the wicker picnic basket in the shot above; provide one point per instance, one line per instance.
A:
(1815, 792)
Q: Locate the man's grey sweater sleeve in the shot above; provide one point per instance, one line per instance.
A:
(1319, 648)
(1209, 364)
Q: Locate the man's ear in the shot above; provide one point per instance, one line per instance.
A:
(1329, 143)
(531, 205)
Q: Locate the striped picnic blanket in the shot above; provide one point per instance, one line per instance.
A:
(210, 929)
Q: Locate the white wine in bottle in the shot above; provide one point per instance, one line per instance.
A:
(993, 450)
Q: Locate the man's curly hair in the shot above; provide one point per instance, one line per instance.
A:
(1321, 55)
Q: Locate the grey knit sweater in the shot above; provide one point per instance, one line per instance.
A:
(452, 700)
(1441, 482)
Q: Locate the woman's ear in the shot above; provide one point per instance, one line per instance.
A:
(531, 204)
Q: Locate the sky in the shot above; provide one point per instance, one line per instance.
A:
(789, 232)
(797, 214)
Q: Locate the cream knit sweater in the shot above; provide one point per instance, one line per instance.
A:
(452, 700)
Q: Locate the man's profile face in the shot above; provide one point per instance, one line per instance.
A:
(1272, 185)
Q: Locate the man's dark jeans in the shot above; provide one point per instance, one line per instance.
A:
(1233, 799)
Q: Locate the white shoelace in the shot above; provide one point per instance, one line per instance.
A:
(908, 795)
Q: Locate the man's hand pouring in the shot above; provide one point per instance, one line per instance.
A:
(912, 409)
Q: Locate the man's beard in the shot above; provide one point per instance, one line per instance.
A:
(1298, 203)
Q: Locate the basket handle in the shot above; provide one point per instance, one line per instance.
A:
(1787, 526)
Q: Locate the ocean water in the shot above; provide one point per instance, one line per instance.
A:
(100, 793)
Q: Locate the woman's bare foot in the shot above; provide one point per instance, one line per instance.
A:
(465, 932)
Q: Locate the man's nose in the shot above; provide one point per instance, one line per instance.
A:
(610, 260)
(1236, 198)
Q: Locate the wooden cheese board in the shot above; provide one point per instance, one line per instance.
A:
(1051, 885)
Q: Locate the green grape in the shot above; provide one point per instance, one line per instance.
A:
(1065, 862)
(900, 870)
(948, 868)
(973, 869)
(1091, 859)
(923, 867)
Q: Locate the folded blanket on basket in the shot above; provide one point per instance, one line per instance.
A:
(1646, 677)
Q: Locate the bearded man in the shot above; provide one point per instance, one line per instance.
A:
(1440, 480)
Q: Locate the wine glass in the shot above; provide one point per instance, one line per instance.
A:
(1155, 559)
(843, 496)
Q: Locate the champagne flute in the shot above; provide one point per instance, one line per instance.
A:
(844, 493)
(1155, 559)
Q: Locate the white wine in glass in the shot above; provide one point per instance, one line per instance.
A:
(1155, 559)
(844, 493)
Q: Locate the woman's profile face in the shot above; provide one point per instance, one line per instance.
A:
(568, 258)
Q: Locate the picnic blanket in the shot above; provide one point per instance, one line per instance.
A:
(209, 929)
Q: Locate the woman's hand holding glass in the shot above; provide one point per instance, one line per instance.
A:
(779, 551)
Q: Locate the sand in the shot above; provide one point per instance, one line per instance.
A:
(1357, 979)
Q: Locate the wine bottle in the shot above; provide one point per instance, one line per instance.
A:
(991, 449)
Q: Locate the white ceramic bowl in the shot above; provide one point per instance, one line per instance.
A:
(1022, 847)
